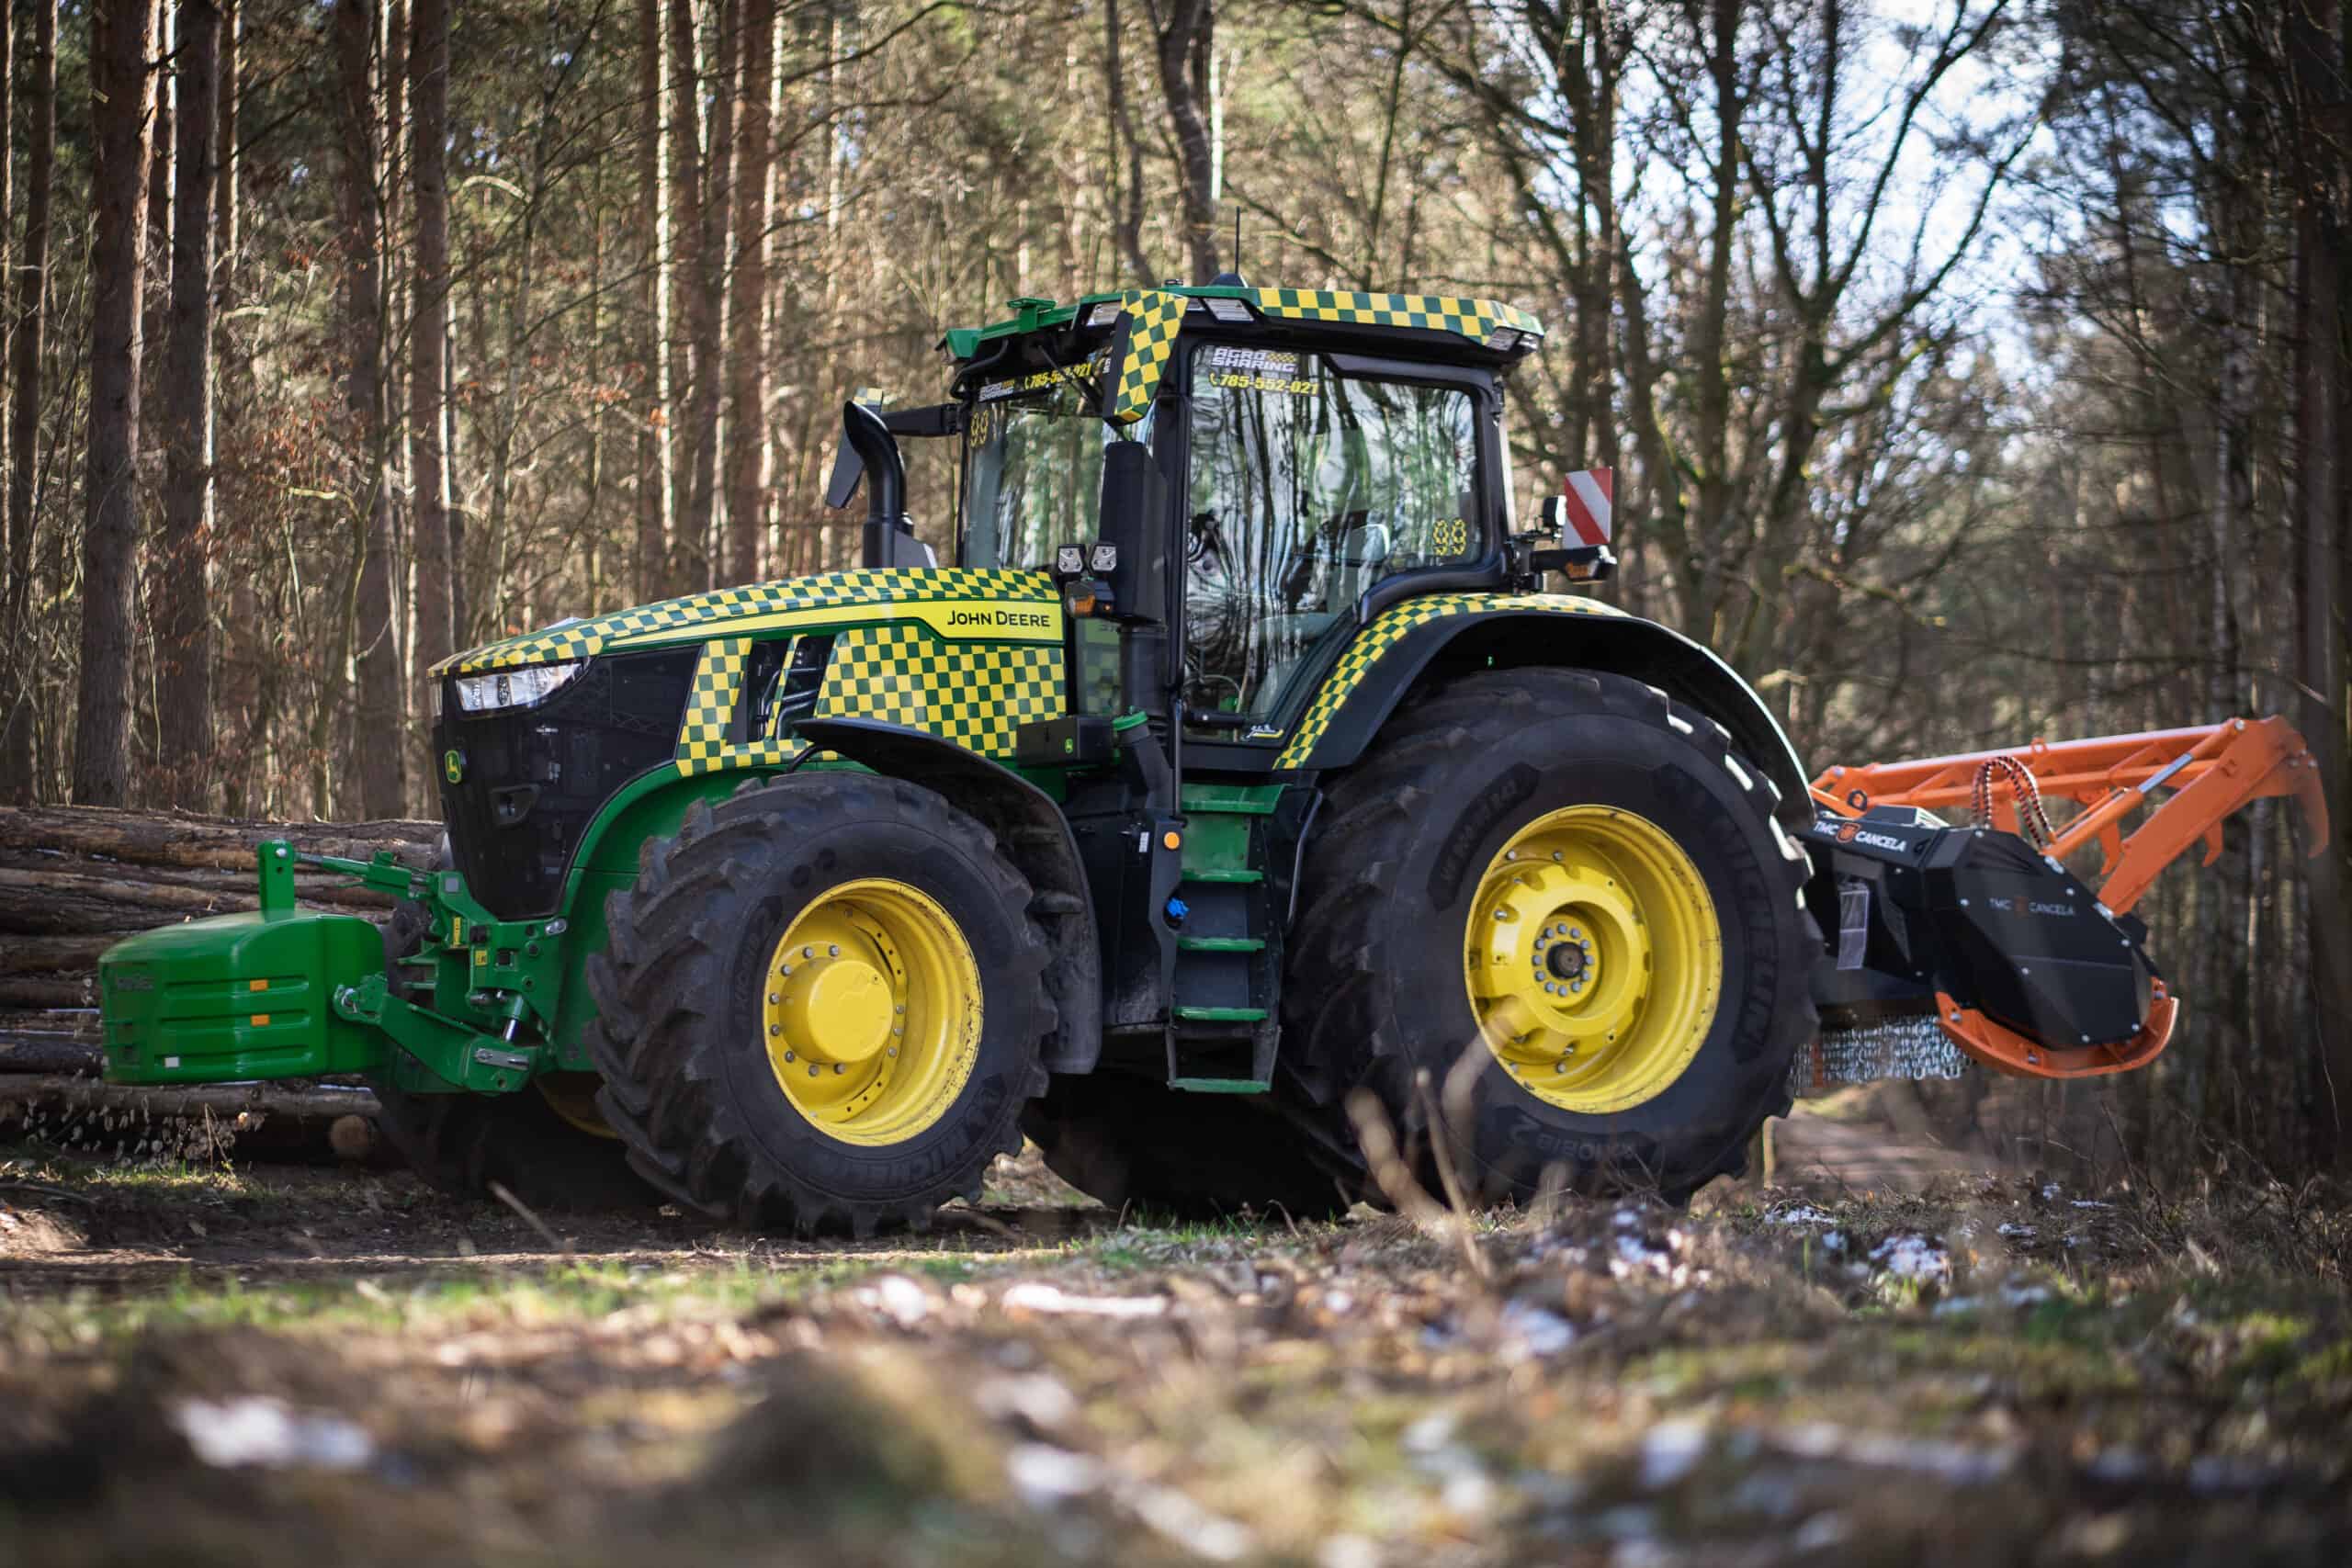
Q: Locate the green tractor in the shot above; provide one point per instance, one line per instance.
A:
(1240, 760)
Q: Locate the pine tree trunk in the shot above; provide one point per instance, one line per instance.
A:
(701, 264)
(153, 333)
(1184, 45)
(31, 301)
(747, 423)
(7, 238)
(382, 721)
(225, 188)
(2317, 46)
(122, 38)
(1126, 198)
(654, 475)
(184, 629)
(429, 332)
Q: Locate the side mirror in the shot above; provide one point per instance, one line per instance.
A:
(1582, 521)
(1135, 519)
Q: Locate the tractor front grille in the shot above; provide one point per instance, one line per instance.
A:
(530, 779)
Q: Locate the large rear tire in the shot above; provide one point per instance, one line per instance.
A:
(821, 1007)
(1573, 888)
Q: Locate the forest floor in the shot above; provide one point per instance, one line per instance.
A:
(281, 1365)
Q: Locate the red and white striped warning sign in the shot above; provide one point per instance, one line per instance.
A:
(1587, 505)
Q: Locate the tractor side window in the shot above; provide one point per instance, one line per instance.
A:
(1309, 487)
(1033, 473)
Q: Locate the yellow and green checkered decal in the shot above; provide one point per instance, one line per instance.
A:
(661, 622)
(1389, 627)
(976, 694)
(1158, 316)
(1473, 319)
(703, 747)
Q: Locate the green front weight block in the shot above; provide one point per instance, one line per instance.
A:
(240, 996)
(284, 993)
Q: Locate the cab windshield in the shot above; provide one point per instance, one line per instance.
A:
(1032, 472)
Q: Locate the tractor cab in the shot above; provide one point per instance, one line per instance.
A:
(1229, 481)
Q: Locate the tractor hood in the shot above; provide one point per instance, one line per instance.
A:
(956, 602)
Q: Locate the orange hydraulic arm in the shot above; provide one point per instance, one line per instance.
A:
(2211, 771)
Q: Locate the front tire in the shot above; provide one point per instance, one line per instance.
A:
(1572, 887)
(822, 1006)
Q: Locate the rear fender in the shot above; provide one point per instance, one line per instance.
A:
(1455, 633)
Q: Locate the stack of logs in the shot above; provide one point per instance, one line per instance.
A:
(74, 881)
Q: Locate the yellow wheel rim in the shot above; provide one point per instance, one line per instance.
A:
(1593, 958)
(871, 1012)
(572, 1096)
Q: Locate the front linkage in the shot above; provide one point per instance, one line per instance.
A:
(239, 996)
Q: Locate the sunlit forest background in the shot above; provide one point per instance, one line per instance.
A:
(1973, 370)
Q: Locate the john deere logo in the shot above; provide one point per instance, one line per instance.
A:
(453, 766)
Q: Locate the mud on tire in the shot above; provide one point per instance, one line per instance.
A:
(1376, 993)
(678, 1038)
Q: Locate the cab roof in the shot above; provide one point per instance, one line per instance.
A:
(1488, 323)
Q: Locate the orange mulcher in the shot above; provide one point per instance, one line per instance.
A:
(1976, 942)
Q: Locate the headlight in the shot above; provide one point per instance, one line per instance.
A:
(512, 688)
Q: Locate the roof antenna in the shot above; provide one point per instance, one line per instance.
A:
(1231, 277)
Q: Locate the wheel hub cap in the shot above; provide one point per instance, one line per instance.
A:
(843, 1010)
(1594, 958)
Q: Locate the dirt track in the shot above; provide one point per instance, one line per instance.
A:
(318, 1366)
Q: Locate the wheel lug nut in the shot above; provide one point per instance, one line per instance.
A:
(775, 1029)
(790, 1057)
(812, 1069)
(808, 952)
(834, 950)
(1575, 935)
(839, 1068)
(773, 998)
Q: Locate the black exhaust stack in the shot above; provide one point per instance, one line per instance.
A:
(868, 449)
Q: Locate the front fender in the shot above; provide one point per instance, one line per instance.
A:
(1451, 633)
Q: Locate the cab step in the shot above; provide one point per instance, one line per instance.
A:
(1221, 1029)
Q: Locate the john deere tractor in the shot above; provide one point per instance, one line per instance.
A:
(1241, 760)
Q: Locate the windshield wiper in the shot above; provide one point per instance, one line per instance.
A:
(1092, 395)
